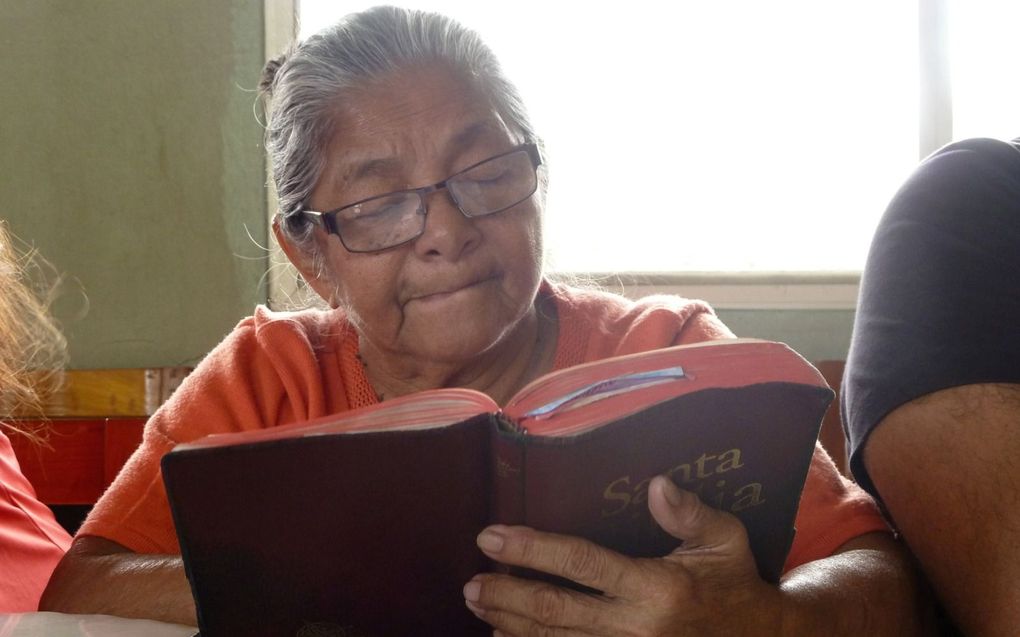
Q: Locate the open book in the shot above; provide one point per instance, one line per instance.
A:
(366, 520)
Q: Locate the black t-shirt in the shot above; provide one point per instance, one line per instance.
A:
(940, 295)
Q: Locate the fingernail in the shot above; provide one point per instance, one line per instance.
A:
(475, 608)
(490, 541)
(472, 590)
(672, 493)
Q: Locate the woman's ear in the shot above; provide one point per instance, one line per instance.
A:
(305, 264)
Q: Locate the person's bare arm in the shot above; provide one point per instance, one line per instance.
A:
(868, 587)
(98, 576)
(948, 468)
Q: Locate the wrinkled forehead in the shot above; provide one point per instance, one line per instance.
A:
(407, 95)
(414, 116)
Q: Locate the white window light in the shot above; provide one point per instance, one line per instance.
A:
(738, 137)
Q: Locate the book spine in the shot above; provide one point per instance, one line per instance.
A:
(507, 450)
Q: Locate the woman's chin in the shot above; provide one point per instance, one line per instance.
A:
(456, 345)
(459, 338)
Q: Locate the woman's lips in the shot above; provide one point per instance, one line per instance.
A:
(445, 292)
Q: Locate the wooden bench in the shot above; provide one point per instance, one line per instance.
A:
(92, 425)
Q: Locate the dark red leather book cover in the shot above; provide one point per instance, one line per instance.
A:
(365, 534)
(371, 532)
(744, 450)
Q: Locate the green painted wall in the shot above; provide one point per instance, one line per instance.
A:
(817, 334)
(131, 158)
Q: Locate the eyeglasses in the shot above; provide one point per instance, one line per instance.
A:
(385, 221)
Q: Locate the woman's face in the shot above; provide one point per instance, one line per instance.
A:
(463, 285)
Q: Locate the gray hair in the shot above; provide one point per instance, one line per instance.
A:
(302, 86)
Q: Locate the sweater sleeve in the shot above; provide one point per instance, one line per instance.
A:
(702, 326)
(833, 511)
(237, 386)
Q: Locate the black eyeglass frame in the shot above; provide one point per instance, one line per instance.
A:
(327, 220)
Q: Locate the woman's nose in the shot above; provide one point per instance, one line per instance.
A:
(448, 233)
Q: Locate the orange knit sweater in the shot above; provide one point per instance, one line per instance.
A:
(277, 368)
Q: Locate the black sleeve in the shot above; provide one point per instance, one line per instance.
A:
(939, 302)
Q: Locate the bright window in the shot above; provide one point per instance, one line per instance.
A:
(726, 136)
(984, 50)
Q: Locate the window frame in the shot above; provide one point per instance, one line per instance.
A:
(802, 290)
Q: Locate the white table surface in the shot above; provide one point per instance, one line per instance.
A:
(61, 625)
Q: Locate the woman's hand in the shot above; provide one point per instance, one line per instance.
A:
(708, 586)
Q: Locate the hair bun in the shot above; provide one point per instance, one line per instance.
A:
(269, 72)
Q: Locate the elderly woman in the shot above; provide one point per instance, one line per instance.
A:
(411, 187)
(31, 541)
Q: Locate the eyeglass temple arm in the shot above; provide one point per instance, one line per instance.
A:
(322, 220)
(535, 153)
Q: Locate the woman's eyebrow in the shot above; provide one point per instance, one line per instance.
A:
(384, 167)
(381, 167)
(470, 136)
